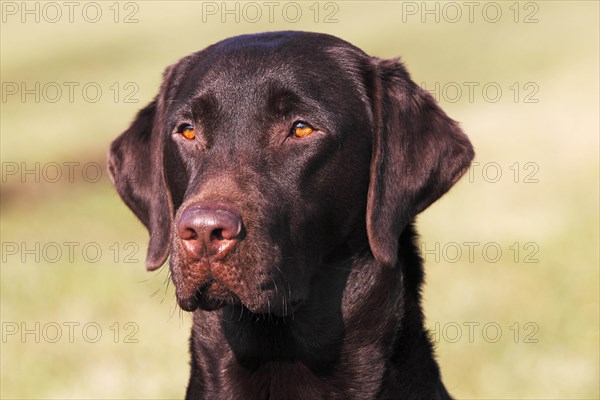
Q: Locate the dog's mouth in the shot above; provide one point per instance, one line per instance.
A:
(212, 295)
(212, 286)
(209, 295)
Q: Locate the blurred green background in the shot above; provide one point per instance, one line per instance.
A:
(82, 319)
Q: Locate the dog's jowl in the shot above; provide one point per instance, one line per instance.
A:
(281, 173)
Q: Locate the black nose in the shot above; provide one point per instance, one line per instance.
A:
(209, 231)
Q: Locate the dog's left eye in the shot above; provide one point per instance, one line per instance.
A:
(301, 129)
(187, 131)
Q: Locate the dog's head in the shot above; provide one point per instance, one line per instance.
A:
(263, 156)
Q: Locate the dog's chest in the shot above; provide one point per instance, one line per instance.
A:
(282, 380)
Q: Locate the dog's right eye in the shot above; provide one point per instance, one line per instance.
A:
(187, 131)
(302, 129)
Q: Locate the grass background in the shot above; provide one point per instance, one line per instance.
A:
(553, 302)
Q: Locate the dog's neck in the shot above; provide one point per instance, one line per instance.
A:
(337, 339)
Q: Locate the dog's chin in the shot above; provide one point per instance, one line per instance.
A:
(209, 296)
(268, 307)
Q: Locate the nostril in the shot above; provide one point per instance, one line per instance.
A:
(188, 234)
(217, 234)
(228, 227)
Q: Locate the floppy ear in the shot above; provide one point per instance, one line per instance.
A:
(135, 165)
(418, 154)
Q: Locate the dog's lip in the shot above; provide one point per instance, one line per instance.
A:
(191, 302)
(201, 298)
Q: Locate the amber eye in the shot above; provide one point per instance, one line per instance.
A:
(301, 129)
(187, 131)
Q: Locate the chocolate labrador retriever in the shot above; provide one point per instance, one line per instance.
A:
(282, 172)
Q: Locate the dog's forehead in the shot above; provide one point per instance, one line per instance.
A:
(250, 63)
(274, 49)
